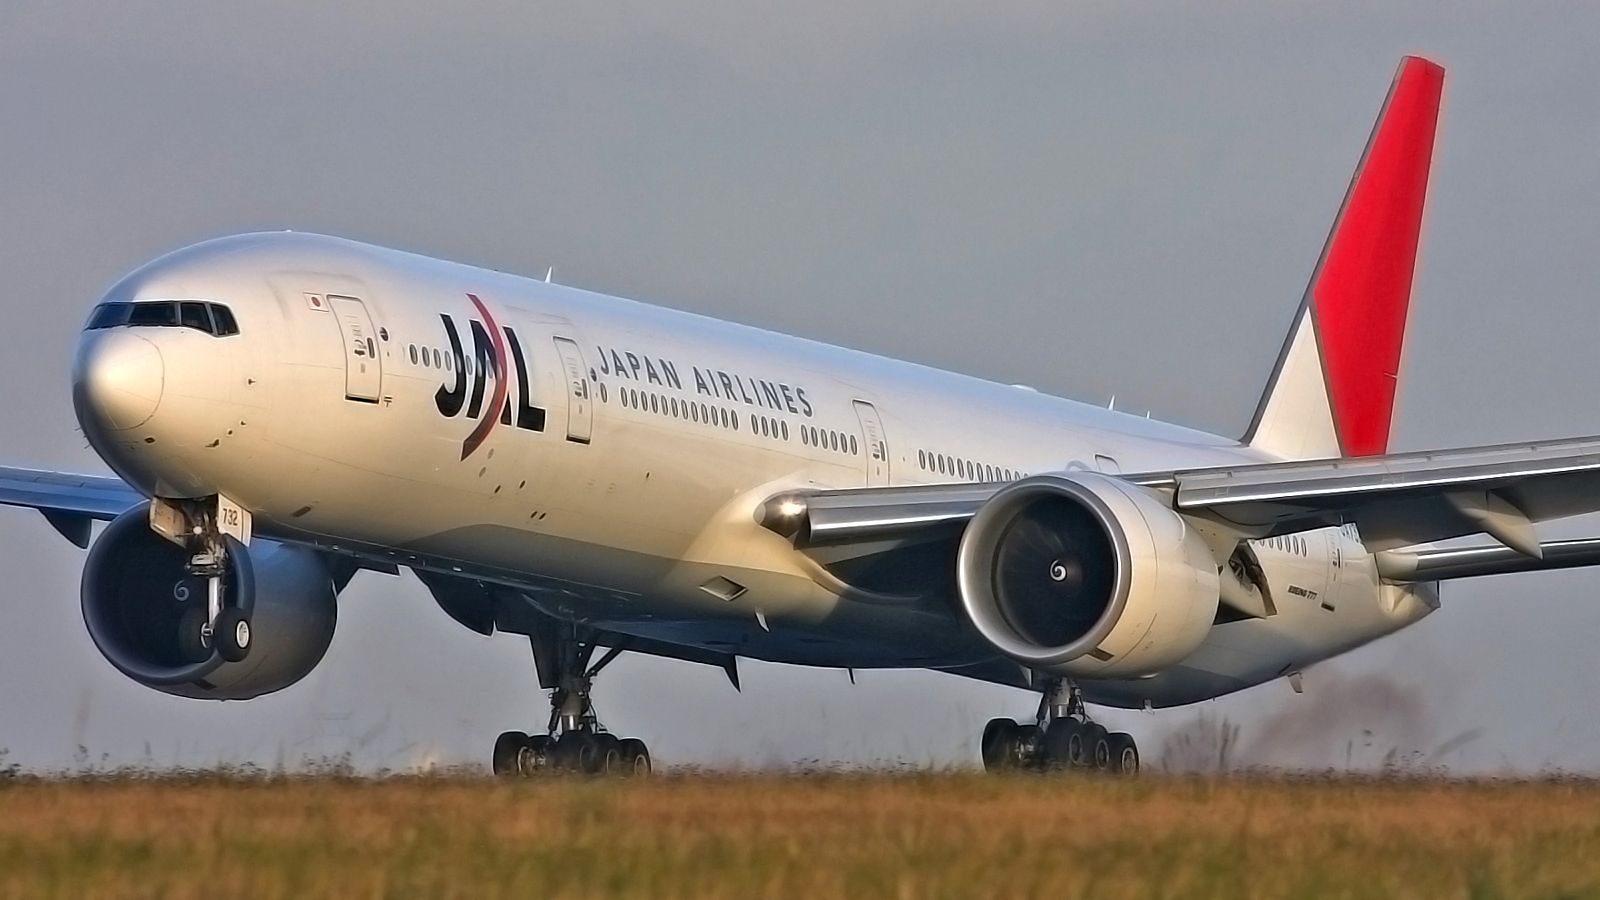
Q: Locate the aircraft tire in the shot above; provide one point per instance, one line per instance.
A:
(583, 752)
(1124, 754)
(230, 634)
(1057, 744)
(635, 758)
(609, 749)
(533, 756)
(997, 747)
(507, 752)
(1029, 742)
(1097, 747)
(1078, 746)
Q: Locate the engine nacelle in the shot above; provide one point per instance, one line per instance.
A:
(1081, 574)
(136, 591)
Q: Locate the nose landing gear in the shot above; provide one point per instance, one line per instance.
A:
(574, 740)
(1061, 738)
(223, 624)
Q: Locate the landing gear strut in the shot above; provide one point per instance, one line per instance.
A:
(223, 623)
(574, 740)
(1061, 737)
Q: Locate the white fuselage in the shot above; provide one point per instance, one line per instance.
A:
(622, 468)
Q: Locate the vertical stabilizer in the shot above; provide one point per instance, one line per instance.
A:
(1332, 392)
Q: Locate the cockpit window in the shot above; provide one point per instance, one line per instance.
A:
(222, 317)
(194, 315)
(109, 315)
(162, 314)
(211, 318)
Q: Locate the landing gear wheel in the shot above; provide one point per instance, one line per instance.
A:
(193, 645)
(610, 754)
(230, 634)
(1097, 746)
(508, 748)
(1005, 745)
(1029, 738)
(534, 755)
(992, 745)
(1124, 754)
(1079, 745)
(635, 758)
(582, 752)
(1058, 741)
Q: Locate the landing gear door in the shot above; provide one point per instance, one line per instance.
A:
(363, 370)
(877, 445)
(580, 404)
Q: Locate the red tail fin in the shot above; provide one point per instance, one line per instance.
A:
(1352, 320)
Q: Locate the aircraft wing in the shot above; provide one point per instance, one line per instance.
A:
(70, 502)
(1396, 500)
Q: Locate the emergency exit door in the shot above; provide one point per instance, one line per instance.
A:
(877, 445)
(363, 370)
(580, 406)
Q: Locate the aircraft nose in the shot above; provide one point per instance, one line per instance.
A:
(119, 379)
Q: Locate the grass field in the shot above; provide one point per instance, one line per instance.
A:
(910, 835)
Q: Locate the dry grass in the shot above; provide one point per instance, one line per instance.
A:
(814, 836)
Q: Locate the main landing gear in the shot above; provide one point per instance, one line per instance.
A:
(1062, 737)
(574, 741)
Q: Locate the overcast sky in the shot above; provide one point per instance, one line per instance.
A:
(1095, 199)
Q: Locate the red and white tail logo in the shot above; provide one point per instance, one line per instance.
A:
(1332, 393)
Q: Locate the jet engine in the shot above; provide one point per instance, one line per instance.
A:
(1081, 574)
(141, 606)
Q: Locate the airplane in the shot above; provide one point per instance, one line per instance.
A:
(282, 410)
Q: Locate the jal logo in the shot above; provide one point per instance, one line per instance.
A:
(472, 377)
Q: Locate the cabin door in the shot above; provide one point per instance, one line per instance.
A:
(363, 370)
(877, 445)
(580, 404)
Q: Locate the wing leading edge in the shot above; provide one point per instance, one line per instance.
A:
(69, 501)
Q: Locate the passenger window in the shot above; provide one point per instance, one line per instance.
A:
(785, 426)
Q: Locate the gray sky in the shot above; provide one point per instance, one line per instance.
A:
(1092, 198)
